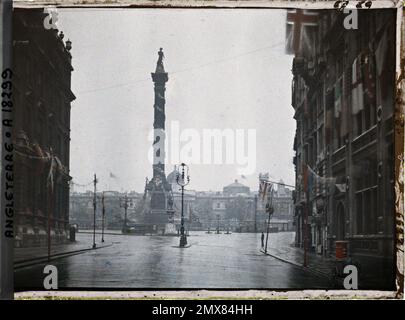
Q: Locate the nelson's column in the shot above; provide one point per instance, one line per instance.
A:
(158, 189)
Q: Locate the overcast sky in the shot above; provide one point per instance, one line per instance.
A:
(227, 70)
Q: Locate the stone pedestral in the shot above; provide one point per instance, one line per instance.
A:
(170, 229)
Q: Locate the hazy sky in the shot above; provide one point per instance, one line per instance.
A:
(227, 70)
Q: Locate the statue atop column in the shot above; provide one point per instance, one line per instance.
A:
(157, 189)
(159, 65)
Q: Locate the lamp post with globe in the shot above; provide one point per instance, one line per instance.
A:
(182, 180)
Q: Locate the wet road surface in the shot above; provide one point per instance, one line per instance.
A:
(212, 261)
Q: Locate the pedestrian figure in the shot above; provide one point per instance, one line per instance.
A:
(262, 240)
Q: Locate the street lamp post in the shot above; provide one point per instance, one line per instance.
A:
(255, 209)
(95, 209)
(182, 180)
(125, 205)
(103, 218)
(269, 210)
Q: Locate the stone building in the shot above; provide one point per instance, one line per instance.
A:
(343, 97)
(42, 96)
(283, 216)
(190, 219)
(236, 188)
(282, 202)
(82, 210)
(237, 208)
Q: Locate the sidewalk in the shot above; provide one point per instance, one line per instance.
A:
(323, 266)
(285, 251)
(372, 273)
(24, 257)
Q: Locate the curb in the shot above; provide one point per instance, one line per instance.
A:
(31, 262)
(312, 270)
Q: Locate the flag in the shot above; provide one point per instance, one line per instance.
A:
(305, 177)
(345, 115)
(357, 86)
(269, 204)
(300, 30)
(341, 187)
(59, 168)
(311, 176)
(52, 168)
(264, 189)
(369, 72)
(381, 57)
(381, 50)
(312, 179)
(384, 57)
(315, 180)
(338, 98)
(261, 189)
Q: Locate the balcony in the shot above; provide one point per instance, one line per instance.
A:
(339, 156)
(365, 140)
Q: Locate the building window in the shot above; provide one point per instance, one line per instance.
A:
(364, 106)
(320, 139)
(366, 196)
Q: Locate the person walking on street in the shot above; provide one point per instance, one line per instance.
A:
(262, 240)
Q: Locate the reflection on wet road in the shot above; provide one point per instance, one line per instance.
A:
(212, 261)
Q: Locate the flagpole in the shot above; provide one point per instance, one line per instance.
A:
(268, 221)
(267, 233)
(49, 221)
(279, 183)
(306, 214)
(50, 204)
(95, 209)
(306, 232)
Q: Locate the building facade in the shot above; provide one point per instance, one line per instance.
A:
(235, 208)
(82, 209)
(283, 216)
(343, 97)
(42, 96)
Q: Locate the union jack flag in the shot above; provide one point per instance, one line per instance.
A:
(299, 30)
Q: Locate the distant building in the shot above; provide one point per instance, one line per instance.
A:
(235, 208)
(190, 219)
(42, 96)
(82, 210)
(282, 218)
(236, 188)
(283, 203)
(220, 202)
